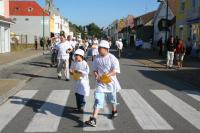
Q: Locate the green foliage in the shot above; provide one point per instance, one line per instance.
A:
(89, 30)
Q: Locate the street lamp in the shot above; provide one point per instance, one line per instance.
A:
(167, 10)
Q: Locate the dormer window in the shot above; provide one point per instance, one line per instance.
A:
(17, 9)
(30, 9)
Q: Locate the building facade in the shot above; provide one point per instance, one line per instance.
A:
(30, 20)
(5, 23)
(188, 22)
(144, 26)
(160, 15)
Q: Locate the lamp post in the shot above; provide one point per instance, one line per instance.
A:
(167, 10)
(43, 40)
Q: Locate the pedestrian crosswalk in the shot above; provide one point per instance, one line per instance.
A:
(103, 122)
(146, 116)
(182, 108)
(48, 116)
(9, 110)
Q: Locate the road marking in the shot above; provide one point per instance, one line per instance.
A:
(145, 115)
(103, 122)
(14, 105)
(182, 108)
(193, 94)
(50, 114)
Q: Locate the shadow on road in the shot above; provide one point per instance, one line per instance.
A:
(35, 76)
(170, 78)
(53, 108)
(39, 64)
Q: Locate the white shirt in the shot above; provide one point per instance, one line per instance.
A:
(119, 45)
(62, 48)
(82, 86)
(95, 51)
(73, 43)
(96, 42)
(103, 65)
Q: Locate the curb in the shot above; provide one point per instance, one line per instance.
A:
(12, 92)
(189, 83)
(20, 85)
(20, 61)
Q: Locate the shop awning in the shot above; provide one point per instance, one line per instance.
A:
(195, 20)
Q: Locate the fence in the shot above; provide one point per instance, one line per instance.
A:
(18, 39)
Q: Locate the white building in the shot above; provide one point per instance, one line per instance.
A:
(5, 23)
(161, 14)
(65, 26)
(57, 24)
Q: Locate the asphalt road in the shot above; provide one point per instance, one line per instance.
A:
(150, 102)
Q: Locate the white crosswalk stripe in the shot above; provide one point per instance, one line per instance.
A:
(182, 108)
(103, 123)
(51, 112)
(48, 117)
(193, 94)
(13, 106)
(145, 115)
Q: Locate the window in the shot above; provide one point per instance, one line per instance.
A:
(181, 33)
(30, 9)
(193, 3)
(182, 6)
(17, 9)
(26, 19)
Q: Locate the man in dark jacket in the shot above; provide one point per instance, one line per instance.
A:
(171, 48)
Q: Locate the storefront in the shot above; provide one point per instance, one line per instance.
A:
(194, 30)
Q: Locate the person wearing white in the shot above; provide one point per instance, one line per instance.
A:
(63, 48)
(81, 87)
(95, 48)
(70, 42)
(119, 45)
(105, 64)
(171, 48)
(55, 42)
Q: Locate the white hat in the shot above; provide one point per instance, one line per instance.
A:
(79, 52)
(104, 44)
(120, 39)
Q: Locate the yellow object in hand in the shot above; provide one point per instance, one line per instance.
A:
(76, 76)
(105, 79)
(94, 46)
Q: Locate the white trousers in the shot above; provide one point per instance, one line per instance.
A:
(170, 58)
(63, 65)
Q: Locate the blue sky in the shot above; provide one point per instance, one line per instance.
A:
(102, 12)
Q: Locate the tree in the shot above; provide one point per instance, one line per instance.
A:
(90, 30)
(94, 30)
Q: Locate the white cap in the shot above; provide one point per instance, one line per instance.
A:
(120, 39)
(104, 44)
(79, 52)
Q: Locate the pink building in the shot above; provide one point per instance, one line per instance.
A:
(5, 23)
(4, 6)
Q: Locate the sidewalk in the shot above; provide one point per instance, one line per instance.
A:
(9, 87)
(13, 58)
(190, 73)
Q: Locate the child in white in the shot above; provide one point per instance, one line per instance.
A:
(95, 51)
(82, 87)
(105, 64)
